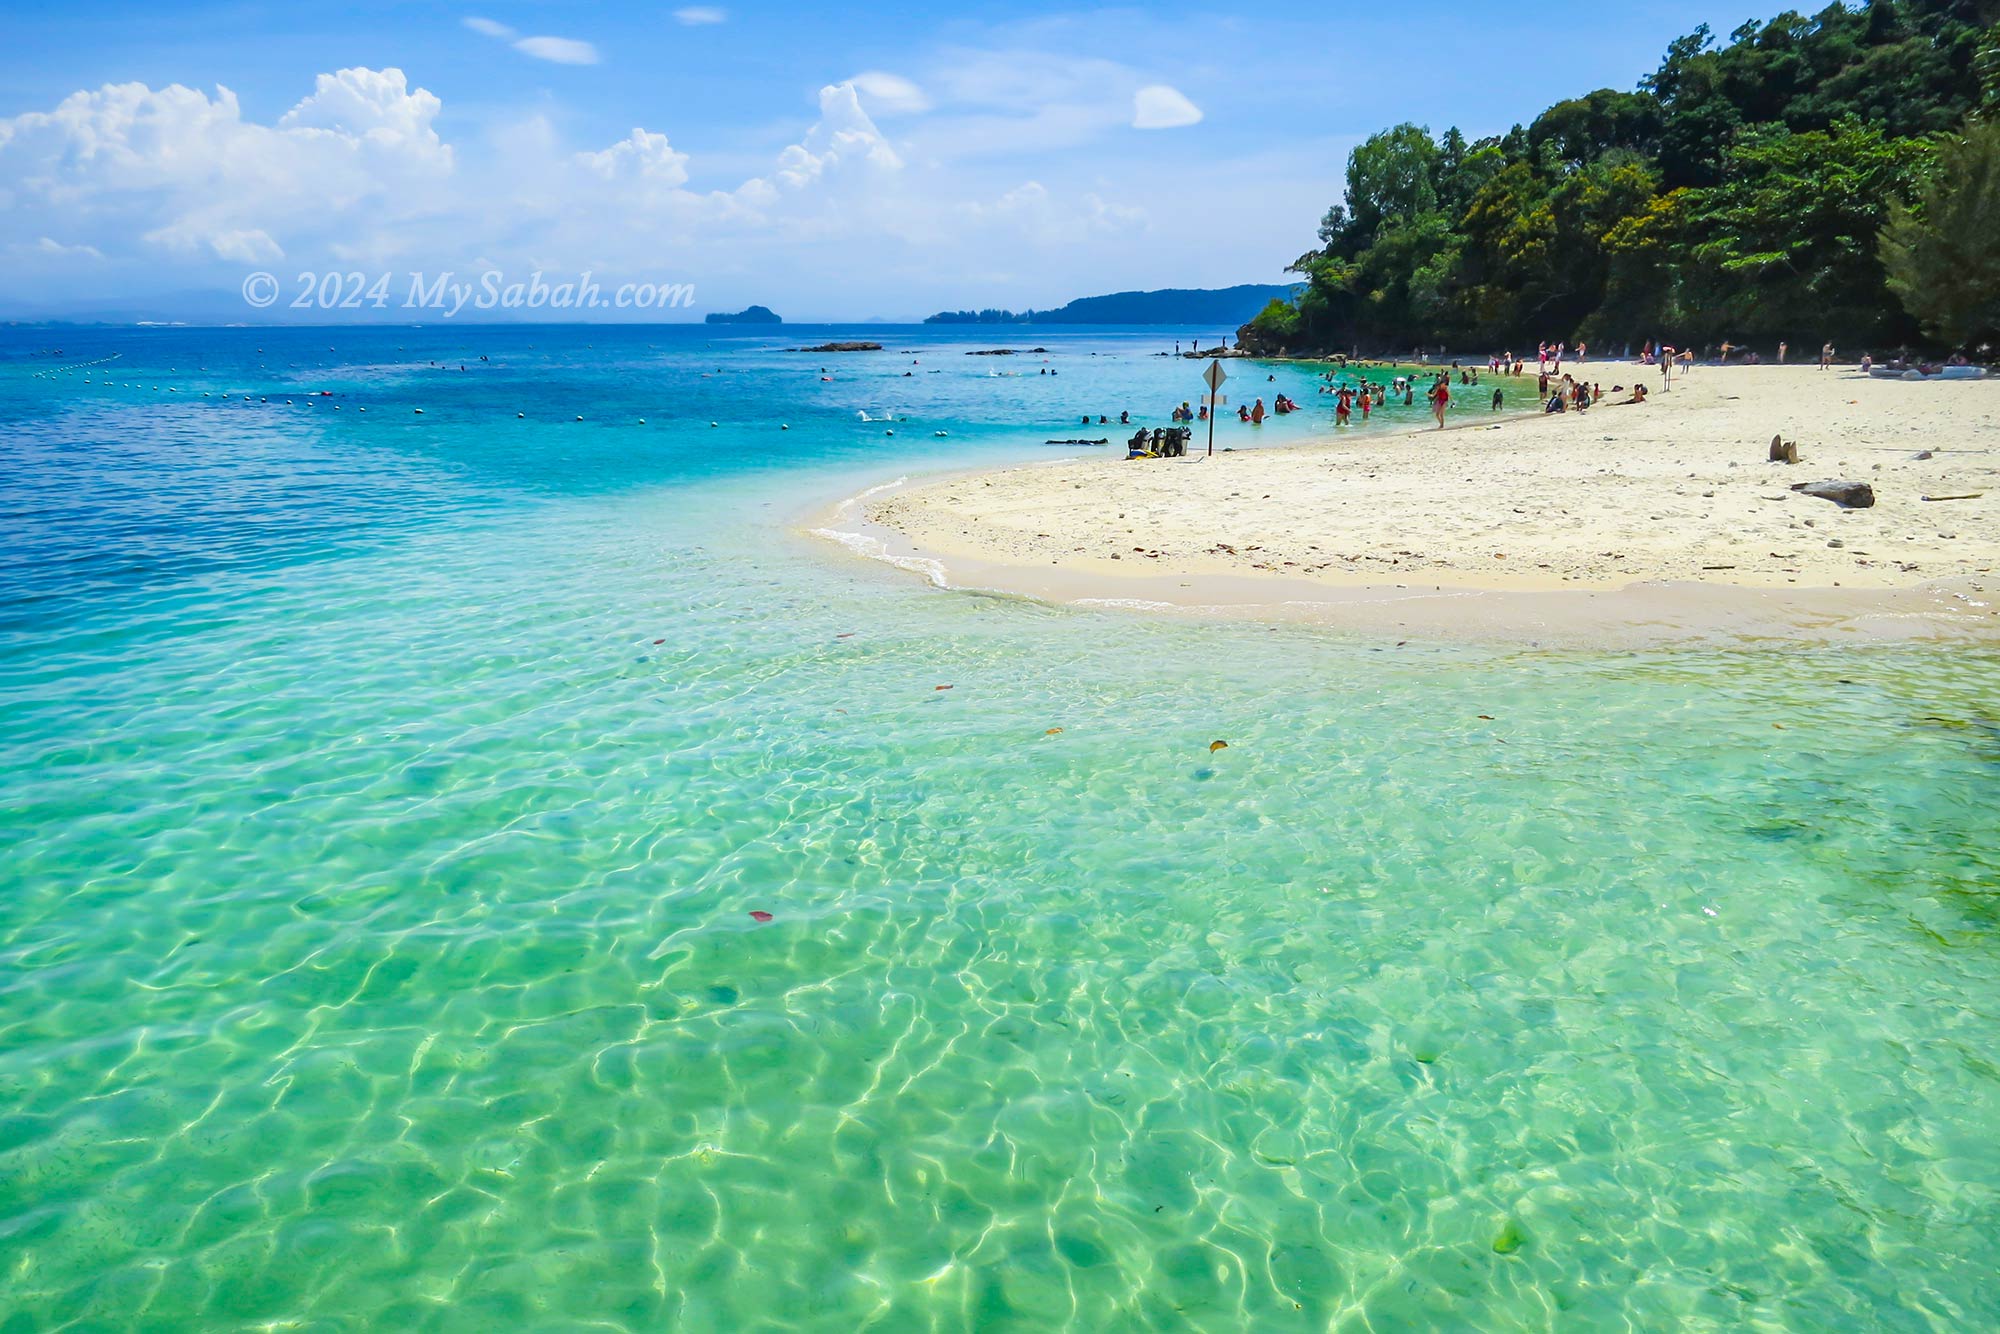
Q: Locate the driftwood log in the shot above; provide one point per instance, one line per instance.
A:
(1847, 495)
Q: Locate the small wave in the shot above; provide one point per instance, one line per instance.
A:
(848, 506)
(873, 548)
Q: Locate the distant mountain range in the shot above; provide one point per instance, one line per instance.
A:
(1209, 306)
(1199, 310)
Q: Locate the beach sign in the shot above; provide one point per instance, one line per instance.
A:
(1214, 377)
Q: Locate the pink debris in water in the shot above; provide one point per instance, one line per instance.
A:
(759, 915)
(659, 641)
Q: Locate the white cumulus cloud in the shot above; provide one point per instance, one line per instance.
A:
(185, 172)
(374, 104)
(695, 16)
(641, 154)
(1159, 107)
(95, 191)
(843, 142)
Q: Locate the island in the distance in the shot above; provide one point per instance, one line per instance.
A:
(1173, 305)
(752, 315)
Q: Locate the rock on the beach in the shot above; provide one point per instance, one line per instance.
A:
(1847, 495)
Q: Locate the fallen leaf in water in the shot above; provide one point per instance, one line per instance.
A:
(659, 641)
(1214, 746)
(848, 635)
(759, 915)
(1052, 731)
(944, 687)
(1779, 726)
(1485, 717)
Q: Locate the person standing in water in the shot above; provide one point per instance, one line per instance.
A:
(1440, 399)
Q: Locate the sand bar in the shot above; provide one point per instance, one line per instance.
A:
(1655, 522)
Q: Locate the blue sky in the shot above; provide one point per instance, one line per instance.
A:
(829, 161)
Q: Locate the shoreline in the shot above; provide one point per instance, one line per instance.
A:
(1625, 526)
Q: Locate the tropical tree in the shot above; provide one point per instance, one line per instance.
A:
(1784, 243)
(1942, 253)
(1738, 193)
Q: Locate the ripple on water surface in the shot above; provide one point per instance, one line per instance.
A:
(377, 949)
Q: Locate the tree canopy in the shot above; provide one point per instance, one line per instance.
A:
(1740, 192)
(1943, 253)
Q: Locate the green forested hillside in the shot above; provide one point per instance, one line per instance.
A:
(1740, 193)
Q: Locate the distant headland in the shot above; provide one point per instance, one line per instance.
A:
(1229, 306)
(751, 315)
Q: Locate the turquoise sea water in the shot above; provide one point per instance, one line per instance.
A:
(385, 799)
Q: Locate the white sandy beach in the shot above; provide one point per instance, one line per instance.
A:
(1665, 513)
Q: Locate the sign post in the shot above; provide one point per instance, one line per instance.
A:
(1214, 376)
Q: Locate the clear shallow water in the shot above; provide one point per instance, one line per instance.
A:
(375, 894)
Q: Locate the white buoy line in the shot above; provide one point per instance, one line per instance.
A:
(227, 395)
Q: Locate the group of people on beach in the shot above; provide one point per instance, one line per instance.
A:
(1573, 394)
(1367, 394)
(1350, 391)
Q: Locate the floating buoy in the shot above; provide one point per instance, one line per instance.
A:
(519, 415)
(888, 433)
(579, 419)
(642, 421)
(364, 409)
(711, 424)
(784, 426)
(940, 433)
(420, 412)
